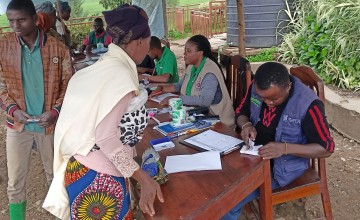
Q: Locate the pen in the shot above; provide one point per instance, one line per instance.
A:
(156, 120)
(175, 135)
(156, 93)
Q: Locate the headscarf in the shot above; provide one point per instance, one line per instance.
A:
(44, 21)
(46, 7)
(127, 23)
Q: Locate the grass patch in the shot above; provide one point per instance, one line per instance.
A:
(3, 21)
(188, 2)
(93, 7)
(266, 55)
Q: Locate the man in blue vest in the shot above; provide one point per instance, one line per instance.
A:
(287, 118)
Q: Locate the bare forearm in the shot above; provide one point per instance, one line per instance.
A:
(168, 88)
(307, 150)
(162, 78)
(242, 120)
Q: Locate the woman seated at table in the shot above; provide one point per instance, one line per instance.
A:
(203, 84)
(287, 118)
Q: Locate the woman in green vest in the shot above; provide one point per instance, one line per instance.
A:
(203, 84)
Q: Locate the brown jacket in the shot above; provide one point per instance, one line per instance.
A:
(57, 70)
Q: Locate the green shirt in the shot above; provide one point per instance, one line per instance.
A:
(167, 65)
(33, 82)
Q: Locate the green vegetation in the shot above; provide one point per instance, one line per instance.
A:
(268, 54)
(188, 2)
(176, 35)
(325, 36)
(3, 21)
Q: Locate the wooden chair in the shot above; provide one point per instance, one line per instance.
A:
(313, 181)
(238, 78)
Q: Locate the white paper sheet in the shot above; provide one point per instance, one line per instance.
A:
(209, 160)
(252, 150)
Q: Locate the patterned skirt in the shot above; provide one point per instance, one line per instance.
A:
(96, 195)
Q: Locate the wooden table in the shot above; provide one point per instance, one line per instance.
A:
(209, 194)
(81, 63)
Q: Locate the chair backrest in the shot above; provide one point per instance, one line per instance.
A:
(238, 78)
(309, 78)
(303, 188)
(313, 81)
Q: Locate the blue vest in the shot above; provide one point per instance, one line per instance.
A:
(288, 167)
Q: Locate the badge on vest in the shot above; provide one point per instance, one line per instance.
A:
(255, 101)
(55, 60)
(198, 84)
(289, 119)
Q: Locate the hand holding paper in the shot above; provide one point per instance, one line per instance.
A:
(251, 150)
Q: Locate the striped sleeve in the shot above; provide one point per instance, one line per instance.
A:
(316, 127)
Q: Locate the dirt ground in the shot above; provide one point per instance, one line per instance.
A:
(343, 171)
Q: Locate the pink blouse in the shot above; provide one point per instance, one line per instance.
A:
(113, 158)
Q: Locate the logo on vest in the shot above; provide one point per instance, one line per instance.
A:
(198, 84)
(288, 119)
(255, 101)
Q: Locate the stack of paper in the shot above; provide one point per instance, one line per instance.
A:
(201, 161)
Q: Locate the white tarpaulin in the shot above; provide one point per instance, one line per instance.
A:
(154, 10)
(3, 6)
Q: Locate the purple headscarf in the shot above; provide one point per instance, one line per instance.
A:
(126, 23)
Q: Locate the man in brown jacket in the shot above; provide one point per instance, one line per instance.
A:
(34, 72)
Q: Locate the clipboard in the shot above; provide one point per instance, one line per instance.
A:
(202, 148)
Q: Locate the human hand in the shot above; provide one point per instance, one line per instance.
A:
(272, 150)
(141, 70)
(157, 91)
(47, 119)
(21, 116)
(248, 132)
(166, 100)
(142, 77)
(149, 188)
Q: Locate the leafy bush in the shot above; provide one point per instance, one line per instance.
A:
(266, 55)
(325, 36)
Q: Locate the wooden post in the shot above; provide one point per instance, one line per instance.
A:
(241, 25)
(165, 19)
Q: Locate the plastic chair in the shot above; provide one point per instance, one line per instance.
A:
(238, 78)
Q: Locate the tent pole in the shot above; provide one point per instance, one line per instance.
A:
(241, 28)
(165, 19)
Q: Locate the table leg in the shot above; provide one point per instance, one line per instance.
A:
(266, 193)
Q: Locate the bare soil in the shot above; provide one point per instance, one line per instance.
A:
(343, 172)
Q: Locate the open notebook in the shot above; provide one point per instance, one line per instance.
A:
(210, 140)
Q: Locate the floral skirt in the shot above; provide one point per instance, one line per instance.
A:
(96, 195)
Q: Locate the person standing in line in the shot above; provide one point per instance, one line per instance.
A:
(34, 72)
(94, 158)
(65, 10)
